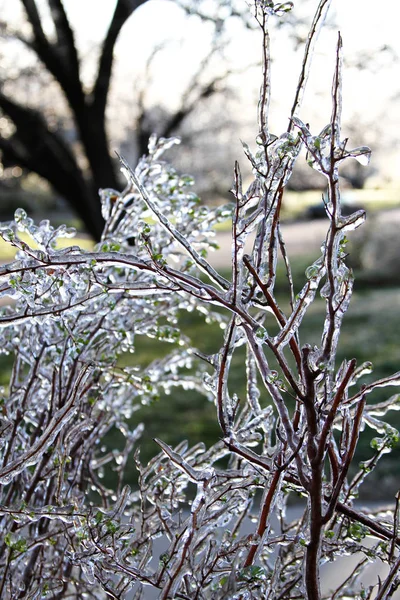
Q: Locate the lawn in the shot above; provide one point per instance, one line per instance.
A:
(370, 333)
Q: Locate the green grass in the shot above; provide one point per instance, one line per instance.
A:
(370, 332)
(295, 204)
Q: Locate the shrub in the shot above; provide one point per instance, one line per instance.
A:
(379, 251)
(293, 435)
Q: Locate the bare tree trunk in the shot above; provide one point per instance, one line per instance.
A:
(35, 147)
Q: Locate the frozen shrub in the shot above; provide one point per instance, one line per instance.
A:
(64, 533)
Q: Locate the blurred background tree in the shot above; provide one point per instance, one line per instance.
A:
(69, 96)
(67, 142)
(39, 146)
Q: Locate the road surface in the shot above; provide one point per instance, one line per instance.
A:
(301, 238)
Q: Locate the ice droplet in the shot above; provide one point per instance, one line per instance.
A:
(108, 198)
(353, 221)
(262, 334)
(325, 290)
(312, 271)
(88, 570)
(361, 154)
(20, 215)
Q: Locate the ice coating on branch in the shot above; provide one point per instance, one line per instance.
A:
(217, 512)
(75, 309)
(353, 221)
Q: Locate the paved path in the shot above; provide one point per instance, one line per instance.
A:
(301, 238)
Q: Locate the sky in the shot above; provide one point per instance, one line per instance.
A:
(364, 28)
(365, 25)
(368, 95)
